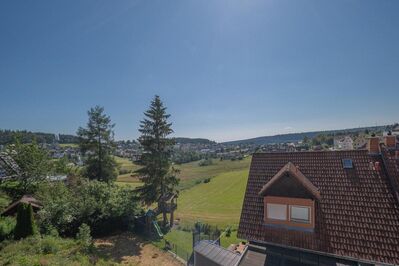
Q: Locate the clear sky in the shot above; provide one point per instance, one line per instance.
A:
(225, 69)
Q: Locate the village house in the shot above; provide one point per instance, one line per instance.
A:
(343, 143)
(395, 130)
(318, 208)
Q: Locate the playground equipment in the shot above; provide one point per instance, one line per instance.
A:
(148, 224)
(157, 229)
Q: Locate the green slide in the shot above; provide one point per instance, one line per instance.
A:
(157, 229)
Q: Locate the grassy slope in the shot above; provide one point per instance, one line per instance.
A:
(67, 145)
(127, 165)
(190, 173)
(218, 202)
(193, 170)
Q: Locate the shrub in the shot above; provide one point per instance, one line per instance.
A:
(124, 171)
(26, 225)
(205, 162)
(228, 232)
(104, 207)
(7, 225)
(84, 237)
(207, 180)
(50, 245)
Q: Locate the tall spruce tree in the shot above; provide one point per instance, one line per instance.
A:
(157, 173)
(96, 141)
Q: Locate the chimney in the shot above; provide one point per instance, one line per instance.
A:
(373, 145)
(390, 141)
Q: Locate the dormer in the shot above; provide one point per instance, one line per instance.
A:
(289, 199)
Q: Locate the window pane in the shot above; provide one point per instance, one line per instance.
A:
(276, 211)
(300, 214)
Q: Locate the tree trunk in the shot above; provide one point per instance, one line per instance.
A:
(171, 218)
(165, 217)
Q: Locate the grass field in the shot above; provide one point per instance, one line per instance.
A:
(218, 202)
(69, 145)
(126, 165)
(193, 170)
(184, 241)
(190, 173)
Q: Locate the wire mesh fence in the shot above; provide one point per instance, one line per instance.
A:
(177, 250)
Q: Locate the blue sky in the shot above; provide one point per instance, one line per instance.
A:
(225, 69)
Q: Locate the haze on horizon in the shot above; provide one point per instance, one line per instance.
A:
(225, 69)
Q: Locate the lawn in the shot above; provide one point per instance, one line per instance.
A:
(127, 167)
(218, 202)
(193, 170)
(69, 145)
(183, 242)
(190, 173)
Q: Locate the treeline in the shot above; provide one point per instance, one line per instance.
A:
(193, 141)
(295, 137)
(8, 136)
(179, 156)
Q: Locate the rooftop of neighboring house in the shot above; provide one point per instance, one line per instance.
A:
(343, 204)
(28, 199)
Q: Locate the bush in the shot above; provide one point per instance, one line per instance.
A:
(228, 232)
(207, 180)
(26, 225)
(104, 207)
(83, 237)
(124, 171)
(49, 245)
(205, 162)
(7, 225)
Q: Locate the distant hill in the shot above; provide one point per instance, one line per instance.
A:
(295, 137)
(193, 141)
(8, 136)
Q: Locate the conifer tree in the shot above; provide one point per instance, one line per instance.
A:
(26, 225)
(96, 141)
(157, 173)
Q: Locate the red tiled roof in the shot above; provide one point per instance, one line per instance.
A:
(357, 215)
(293, 171)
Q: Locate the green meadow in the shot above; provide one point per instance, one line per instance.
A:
(217, 202)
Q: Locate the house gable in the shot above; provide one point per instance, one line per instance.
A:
(290, 182)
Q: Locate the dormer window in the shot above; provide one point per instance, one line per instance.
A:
(300, 214)
(291, 212)
(289, 199)
(276, 211)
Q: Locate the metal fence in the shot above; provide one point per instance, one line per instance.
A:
(183, 254)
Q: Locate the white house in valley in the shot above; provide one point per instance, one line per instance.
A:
(343, 143)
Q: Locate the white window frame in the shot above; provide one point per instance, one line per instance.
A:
(276, 219)
(300, 220)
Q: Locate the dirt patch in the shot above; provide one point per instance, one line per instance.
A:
(129, 249)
